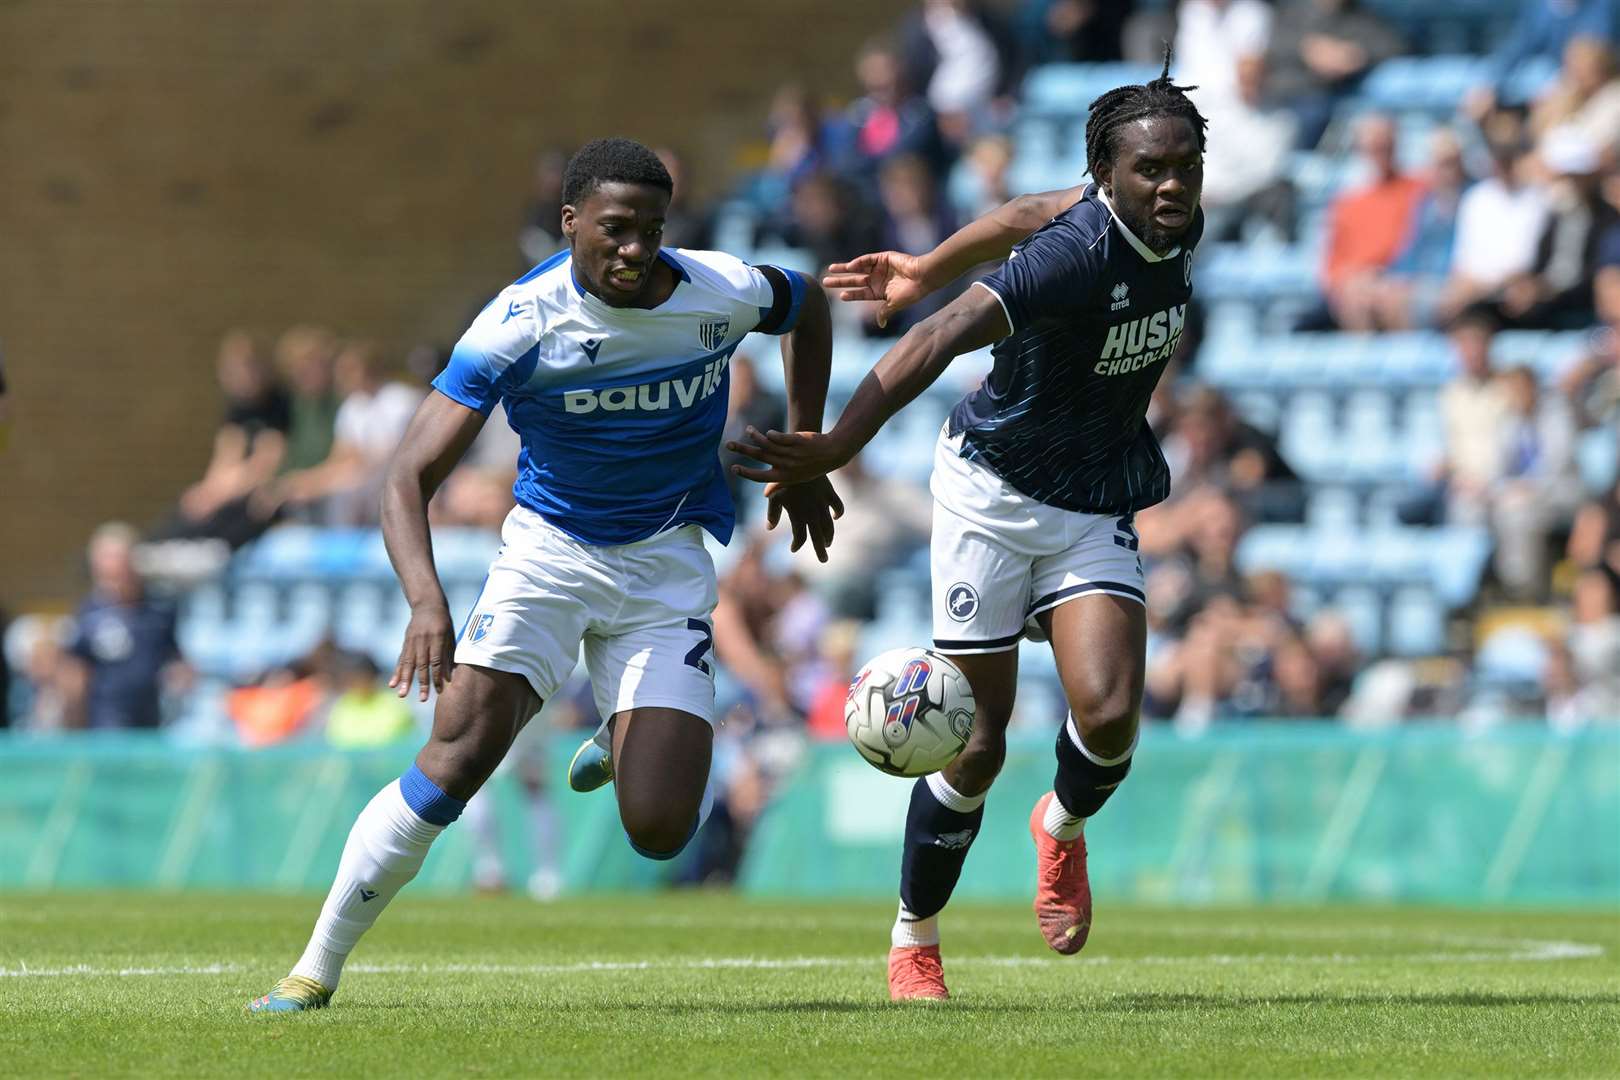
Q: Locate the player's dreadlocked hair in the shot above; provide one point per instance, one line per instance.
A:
(612, 161)
(1125, 104)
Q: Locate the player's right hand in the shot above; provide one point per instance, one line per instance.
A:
(790, 457)
(426, 656)
(894, 278)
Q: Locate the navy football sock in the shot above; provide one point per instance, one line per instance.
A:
(940, 827)
(1085, 780)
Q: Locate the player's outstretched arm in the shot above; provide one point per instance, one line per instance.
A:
(971, 321)
(807, 363)
(435, 441)
(900, 280)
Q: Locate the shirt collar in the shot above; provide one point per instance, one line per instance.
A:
(1147, 253)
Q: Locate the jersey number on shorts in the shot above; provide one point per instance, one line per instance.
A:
(694, 657)
(1125, 533)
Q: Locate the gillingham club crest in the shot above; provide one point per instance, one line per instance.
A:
(713, 332)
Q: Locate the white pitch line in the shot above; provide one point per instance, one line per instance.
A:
(1522, 951)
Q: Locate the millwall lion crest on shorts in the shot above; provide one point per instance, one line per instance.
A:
(713, 332)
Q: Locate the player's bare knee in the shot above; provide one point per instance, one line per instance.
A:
(1108, 727)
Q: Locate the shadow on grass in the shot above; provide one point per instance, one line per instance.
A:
(1178, 1002)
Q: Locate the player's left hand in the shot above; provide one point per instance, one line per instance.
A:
(811, 507)
(793, 457)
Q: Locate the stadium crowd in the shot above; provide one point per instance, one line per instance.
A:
(1503, 216)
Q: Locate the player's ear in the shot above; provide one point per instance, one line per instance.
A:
(568, 222)
(1104, 175)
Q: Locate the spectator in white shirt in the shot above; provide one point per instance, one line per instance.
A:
(1246, 160)
(345, 489)
(1499, 223)
(1210, 36)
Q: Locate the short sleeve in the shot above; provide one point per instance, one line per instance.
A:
(500, 346)
(1048, 277)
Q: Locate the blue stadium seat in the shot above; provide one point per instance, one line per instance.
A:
(1416, 623)
(1364, 612)
(1599, 458)
(1434, 84)
(1512, 655)
(1071, 88)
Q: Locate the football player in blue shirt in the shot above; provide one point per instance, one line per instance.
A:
(1037, 476)
(611, 362)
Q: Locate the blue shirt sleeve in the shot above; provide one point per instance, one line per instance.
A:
(498, 351)
(1050, 275)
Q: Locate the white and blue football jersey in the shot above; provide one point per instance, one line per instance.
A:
(620, 410)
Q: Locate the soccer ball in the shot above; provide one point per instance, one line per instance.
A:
(909, 712)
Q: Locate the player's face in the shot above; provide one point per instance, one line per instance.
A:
(1157, 174)
(615, 233)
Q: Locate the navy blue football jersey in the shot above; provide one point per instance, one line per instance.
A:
(1095, 315)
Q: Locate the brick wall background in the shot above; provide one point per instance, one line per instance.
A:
(173, 168)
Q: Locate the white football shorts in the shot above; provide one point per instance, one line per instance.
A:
(643, 611)
(999, 557)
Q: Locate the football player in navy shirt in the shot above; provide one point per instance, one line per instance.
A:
(1037, 476)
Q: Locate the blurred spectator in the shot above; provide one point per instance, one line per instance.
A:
(1338, 661)
(1594, 537)
(1072, 31)
(686, 224)
(889, 118)
(803, 142)
(838, 666)
(961, 54)
(47, 692)
(281, 706)
(1557, 290)
(365, 712)
(1210, 37)
(1319, 52)
(915, 220)
(345, 489)
(304, 356)
(1538, 487)
(1592, 384)
(249, 447)
(1411, 293)
(1366, 229)
(1541, 31)
(1585, 100)
(1582, 681)
(1209, 445)
(1246, 161)
(886, 520)
(750, 598)
(1473, 409)
(750, 405)
(1499, 222)
(541, 236)
(124, 638)
(986, 186)
(829, 221)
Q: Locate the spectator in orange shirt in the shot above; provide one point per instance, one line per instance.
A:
(1366, 229)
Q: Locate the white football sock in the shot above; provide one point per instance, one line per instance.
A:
(950, 798)
(910, 930)
(384, 851)
(1060, 824)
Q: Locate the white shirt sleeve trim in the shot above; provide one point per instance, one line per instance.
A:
(1011, 326)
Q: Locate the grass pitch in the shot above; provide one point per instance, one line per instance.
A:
(706, 984)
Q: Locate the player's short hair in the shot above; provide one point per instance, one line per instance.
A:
(1126, 104)
(612, 161)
